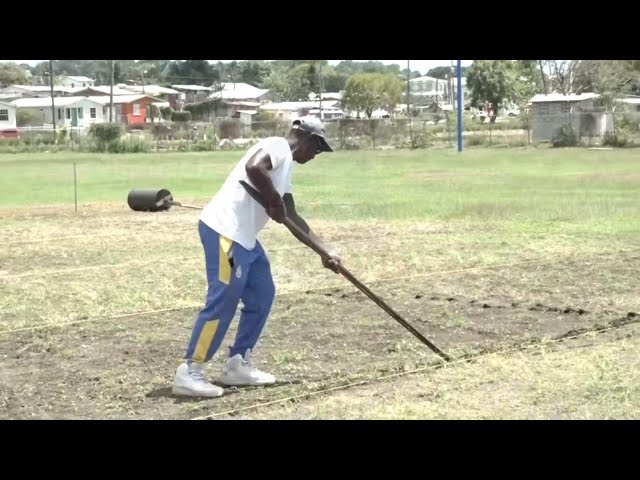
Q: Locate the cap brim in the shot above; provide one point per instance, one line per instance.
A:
(324, 146)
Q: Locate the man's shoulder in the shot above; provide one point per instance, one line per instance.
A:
(278, 149)
(277, 142)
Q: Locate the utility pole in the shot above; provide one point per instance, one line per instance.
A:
(320, 86)
(408, 108)
(460, 106)
(53, 106)
(111, 94)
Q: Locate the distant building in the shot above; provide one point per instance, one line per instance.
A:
(8, 120)
(552, 111)
(69, 111)
(242, 92)
(75, 81)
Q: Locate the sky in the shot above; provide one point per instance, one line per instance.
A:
(421, 65)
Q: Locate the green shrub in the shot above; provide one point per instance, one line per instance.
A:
(565, 136)
(613, 140)
(105, 132)
(183, 117)
(476, 140)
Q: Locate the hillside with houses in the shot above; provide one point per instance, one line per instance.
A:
(545, 105)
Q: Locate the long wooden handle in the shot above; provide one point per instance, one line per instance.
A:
(349, 276)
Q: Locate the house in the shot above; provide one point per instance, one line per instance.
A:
(246, 116)
(191, 94)
(70, 111)
(427, 86)
(552, 111)
(101, 90)
(14, 92)
(242, 92)
(631, 103)
(127, 109)
(169, 95)
(75, 81)
(8, 120)
(326, 96)
(289, 111)
(327, 114)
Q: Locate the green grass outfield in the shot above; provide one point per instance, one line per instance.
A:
(575, 188)
(437, 234)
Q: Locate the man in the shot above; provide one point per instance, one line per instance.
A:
(236, 264)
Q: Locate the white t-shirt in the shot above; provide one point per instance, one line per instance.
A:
(232, 212)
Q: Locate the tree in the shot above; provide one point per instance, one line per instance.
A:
(368, 91)
(561, 75)
(529, 79)
(444, 71)
(199, 72)
(493, 81)
(610, 79)
(441, 72)
(12, 74)
(293, 85)
(254, 73)
(414, 73)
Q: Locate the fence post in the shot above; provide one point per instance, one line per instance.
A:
(490, 133)
(528, 130)
(75, 186)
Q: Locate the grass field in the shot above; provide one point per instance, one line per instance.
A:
(481, 251)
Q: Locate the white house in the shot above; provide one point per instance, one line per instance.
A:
(242, 92)
(290, 111)
(7, 116)
(326, 96)
(70, 111)
(632, 103)
(102, 90)
(75, 81)
(13, 92)
(191, 93)
(427, 86)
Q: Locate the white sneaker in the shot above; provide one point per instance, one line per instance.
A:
(239, 371)
(190, 382)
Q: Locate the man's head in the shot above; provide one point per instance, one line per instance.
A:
(307, 139)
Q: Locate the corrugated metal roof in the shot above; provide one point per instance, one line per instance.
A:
(238, 91)
(153, 89)
(293, 106)
(105, 100)
(326, 95)
(250, 112)
(41, 102)
(197, 88)
(326, 110)
(7, 104)
(559, 97)
(103, 89)
(39, 88)
(244, 104)
(425, 78)
(80, 78)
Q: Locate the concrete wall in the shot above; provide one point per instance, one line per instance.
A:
(548, 117)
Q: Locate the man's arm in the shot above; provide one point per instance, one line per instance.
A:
(257, 169)
(311, 236)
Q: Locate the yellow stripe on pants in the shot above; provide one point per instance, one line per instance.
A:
(204, 340)
(224, 267)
